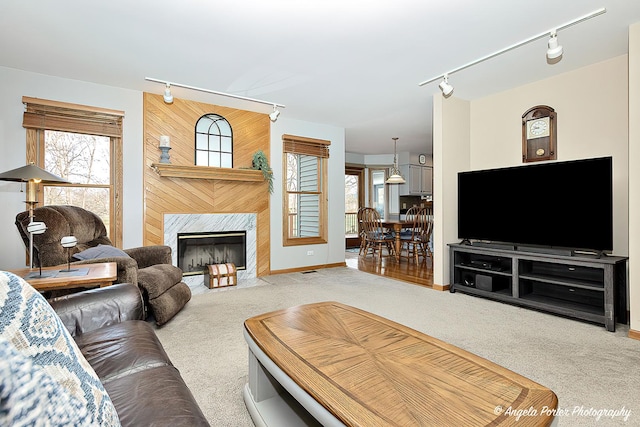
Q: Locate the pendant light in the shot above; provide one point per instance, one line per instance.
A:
(396, 177)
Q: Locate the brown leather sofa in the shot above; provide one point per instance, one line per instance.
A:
(125, 353)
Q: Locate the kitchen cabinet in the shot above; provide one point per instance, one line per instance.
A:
(419, 180)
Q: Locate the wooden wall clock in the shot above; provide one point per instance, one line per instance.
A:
(539, 130)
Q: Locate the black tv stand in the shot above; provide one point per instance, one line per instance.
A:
(580, 286)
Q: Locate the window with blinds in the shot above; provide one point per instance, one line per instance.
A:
(82, 144)
(305, 190)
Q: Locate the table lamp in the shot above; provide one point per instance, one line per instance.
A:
(68, 242)
(32, 175)
(37, 227)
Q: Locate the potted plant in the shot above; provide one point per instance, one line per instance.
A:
(260, 162)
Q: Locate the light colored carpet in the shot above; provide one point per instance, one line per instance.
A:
(591, 370)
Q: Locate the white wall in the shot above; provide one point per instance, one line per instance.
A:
(593, 120)
(293, 257)
(450, 156)
(15, 84)
(354, 158)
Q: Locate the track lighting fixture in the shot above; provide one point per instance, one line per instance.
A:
(555, 50)
(396, 177)
(274, 115)
(445, 87)
(168, 98)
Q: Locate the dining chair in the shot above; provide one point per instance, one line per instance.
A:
(361, 233)
(376, 237)
(417, 241)
(409, 217)
(426, 216)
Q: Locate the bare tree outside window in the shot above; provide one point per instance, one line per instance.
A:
(351, 193)
(84, 160)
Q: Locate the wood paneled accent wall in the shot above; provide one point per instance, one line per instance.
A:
(251, 132)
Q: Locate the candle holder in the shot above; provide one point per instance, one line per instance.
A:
(164, 156)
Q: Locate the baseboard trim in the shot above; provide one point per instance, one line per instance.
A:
(441, 287)
(308, 268)
(634, 334)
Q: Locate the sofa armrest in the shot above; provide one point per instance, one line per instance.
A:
(147, 256)
(90, 310)
(126, 267)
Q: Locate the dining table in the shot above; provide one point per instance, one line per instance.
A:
(396, 224)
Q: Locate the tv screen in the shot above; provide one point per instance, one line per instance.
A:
(560, 204)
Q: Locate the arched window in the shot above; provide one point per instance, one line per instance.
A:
(214, 141)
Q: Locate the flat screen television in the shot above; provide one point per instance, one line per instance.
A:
(565, 205)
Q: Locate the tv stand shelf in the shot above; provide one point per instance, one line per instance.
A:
(583, 287)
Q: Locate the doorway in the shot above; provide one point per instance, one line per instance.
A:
(377, 193)
(354, 199)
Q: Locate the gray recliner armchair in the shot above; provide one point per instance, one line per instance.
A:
(148, 267)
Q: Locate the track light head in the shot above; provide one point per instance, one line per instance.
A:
(274, 115)
(554, 50)
(445, 87)
(168, 98)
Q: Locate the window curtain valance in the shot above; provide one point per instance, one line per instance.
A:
(65, 117)
(307, 146)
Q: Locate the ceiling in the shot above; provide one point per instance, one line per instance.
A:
(355, 64)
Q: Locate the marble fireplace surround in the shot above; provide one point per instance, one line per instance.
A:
(196, 223)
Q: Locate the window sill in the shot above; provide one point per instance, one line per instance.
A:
(205, 172)
(297, 241)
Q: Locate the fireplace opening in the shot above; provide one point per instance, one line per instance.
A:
(198, 250)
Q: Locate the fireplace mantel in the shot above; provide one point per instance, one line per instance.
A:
(205, 172)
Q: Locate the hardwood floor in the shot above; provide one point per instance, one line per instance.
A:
(405, 270)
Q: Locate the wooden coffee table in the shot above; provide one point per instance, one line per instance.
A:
(332, 364)
(87, 275)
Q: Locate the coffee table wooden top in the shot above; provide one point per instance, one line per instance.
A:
(371, 371)
(97, 274)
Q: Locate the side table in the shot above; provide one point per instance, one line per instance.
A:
(85, 275)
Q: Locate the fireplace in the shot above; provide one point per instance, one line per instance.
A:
(197, 250)
(202, 223)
